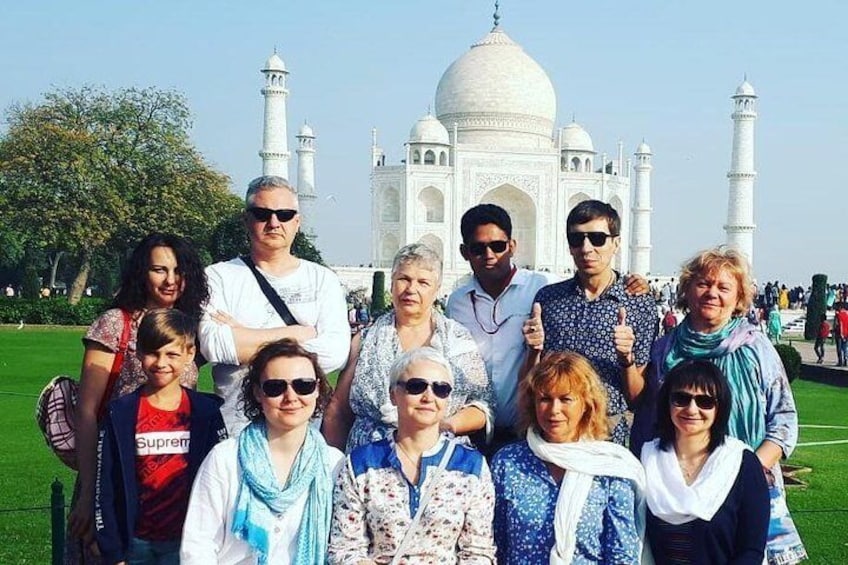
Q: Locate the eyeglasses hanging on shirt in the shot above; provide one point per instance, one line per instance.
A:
(494, 322)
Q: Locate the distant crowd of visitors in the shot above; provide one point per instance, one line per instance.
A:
(536, 420)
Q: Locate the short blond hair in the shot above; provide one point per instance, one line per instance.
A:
(564, 370)
(708, 263)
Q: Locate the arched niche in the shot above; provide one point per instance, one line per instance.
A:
(389, 245)
(522, 210)
(390, 205)
(431, 205)
(434, 242)
(429, 157)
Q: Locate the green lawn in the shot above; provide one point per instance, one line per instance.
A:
(30, 357)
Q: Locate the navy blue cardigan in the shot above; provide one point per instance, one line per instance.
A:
(116, 489)
(736, 535)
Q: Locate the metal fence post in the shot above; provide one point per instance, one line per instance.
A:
(57, 520)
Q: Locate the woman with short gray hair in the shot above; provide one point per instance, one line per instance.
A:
(360, 411)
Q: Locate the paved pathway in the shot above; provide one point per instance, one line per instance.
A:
(808, 355)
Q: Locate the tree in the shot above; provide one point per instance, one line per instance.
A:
(378, 293)
(816, 306)
(88, 169)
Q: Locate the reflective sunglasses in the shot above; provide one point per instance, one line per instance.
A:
(264, 214)
(478, 248)
(272, 388)
(702, 401)
(416, 386)
(596, 238)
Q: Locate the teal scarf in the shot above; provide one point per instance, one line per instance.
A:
(261, 498)
(730, 349)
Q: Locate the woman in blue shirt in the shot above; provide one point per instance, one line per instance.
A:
(563, 495)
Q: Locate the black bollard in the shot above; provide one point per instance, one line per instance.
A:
(57, 520)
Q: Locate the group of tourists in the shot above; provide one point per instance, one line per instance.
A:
(537, 420)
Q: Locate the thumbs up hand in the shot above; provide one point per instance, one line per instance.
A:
(624, 339)
(534, 332)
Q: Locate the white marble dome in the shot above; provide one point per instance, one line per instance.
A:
(745, 89)
(275, 63)
(429, 130)
(575, 138)
(497, 95)
(305, 131)
(643, 149)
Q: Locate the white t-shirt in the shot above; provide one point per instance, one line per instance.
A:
(312, 293)
(207, 532)
(496, 326)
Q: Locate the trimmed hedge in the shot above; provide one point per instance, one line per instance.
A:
(816, 306)
(51, 311)
(791, 360)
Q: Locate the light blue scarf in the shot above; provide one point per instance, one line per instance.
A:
(730, 349)
(261, 498)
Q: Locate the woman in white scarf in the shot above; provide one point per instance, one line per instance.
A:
(564, 495)
(708, 500)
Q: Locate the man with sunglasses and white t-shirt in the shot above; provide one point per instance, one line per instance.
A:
(593, 315)
(240, 318)
(493, 306)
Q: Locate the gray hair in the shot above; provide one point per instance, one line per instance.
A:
(267, 182)
(418, 253)
(408, 358)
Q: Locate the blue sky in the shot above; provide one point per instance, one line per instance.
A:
(662, 70)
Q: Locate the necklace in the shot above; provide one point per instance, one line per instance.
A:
(605, 288)
(498, 325)
(407, 455)
(692, 466)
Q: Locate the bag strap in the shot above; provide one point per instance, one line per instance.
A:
(274, 298)
(117, 364)
(425, 498)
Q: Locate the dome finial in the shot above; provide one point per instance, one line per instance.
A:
(573, 118)
(497, 15)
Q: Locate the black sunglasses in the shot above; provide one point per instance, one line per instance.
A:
(596, 238)
(273, 388)
(702, 401)
(416, 386)
(478, 248)
(264, 214)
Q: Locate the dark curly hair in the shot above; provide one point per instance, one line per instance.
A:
(132, 295)
(283, 348)
(694, 374)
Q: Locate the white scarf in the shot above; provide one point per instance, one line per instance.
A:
(584, 460)
(672, 500)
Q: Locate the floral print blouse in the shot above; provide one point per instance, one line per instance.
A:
(374, 505)
(369, 393)
(526, 497)
(106, 331)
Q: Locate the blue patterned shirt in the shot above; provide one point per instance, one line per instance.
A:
(572, 323)
(525, 504)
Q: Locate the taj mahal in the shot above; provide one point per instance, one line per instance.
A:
(494, 138)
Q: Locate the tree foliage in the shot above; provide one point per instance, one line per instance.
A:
(88, 169)
(378, 293)
(816, 306)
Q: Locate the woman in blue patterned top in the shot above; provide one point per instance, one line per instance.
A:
(563, 495)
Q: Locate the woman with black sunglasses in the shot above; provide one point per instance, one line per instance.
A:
(266, 496)
(707, 497)
(416, 495)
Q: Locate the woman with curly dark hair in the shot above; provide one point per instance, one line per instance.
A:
(164, 271)
(266, 496)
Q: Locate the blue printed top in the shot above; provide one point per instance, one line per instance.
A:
(525, 504)
(573, 323)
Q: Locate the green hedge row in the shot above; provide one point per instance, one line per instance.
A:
(53, 311)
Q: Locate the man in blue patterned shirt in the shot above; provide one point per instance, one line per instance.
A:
(592, 314)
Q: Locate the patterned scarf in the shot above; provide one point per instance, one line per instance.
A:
(261, 498)
(730, 349)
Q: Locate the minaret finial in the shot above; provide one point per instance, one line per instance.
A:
(745, 77)
(573, 118)
(497, 15)
(275, 49)
(428, 109)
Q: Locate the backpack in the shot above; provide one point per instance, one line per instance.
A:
(55, 410)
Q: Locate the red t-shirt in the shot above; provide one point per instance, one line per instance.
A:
(161, 464)
(824, 330)
(842, 316)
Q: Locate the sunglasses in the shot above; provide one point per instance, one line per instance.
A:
(684, 399)
(416, 386)
(478, 248)
(272, 388)
(596, 238)
(264, 214)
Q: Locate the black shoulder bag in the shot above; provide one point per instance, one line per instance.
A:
(274, 298)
